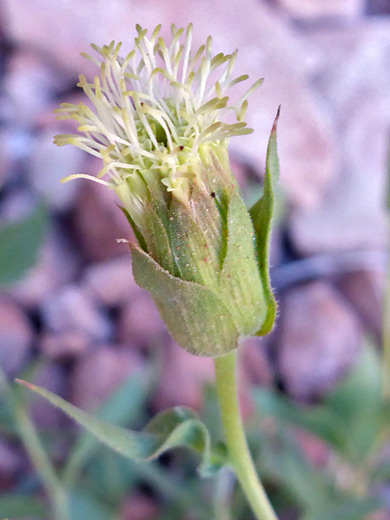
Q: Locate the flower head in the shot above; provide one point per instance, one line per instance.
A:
(154, 112)
(161, 120)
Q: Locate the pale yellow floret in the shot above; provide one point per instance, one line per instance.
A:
(152, 110)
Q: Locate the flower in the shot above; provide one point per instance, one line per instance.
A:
(154, 114)
(161, 123)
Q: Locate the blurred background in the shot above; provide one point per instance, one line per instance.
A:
(71, 317)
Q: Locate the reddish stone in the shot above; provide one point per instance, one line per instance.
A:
(182, 378)
(99, 373)
(73, 310)
(111, 282)
(16, 337)
(139, 507)
(319, 339)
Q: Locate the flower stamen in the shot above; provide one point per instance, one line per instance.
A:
(152, 110)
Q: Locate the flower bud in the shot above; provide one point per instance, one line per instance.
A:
(160, 127)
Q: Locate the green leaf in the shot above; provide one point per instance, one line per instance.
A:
(82, 506)
(121, 408)
(346, 508)
(170, 429)
(21, 506)
(351, 415)
(19, 245)
(261, 214)
(381, 472)
(357, 402)
(110, 476)
(196, 318)
(240, 281)
(318, 420)
(282, 461)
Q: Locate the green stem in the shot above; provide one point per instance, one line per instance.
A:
(36, 452)
(239, 454)
(42, 464)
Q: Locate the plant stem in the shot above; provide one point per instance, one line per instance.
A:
(239, 454)
(42, 464)
(36, 452)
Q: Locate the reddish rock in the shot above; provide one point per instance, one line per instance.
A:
(139, 507)
(98, 222)
(72, 310)
(318, 9)
(11, 460)
(49, 164)
(17, 204)
(378, 7)
(379, 515)
(140, 323)
(254, 361)
(353, 77)
(16, 336)
(99, 373)
(182, 378)
(64, 345)
(319, 339)
(44, 415)
(57, 264)
(111, 282)
(29, 85)
(316, 450)
(364, 290)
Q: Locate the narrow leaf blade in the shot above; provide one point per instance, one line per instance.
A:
(176, 427)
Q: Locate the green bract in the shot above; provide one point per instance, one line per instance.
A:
(161, 125)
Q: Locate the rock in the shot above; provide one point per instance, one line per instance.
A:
(64, 345)
(319, 339)
(17, 204)
(354, 79)
(57, 265)
(15, 147)
(49, 164)
(318, 9)
(140, 323)
(29, 86)
(364, 290)
(16, 337)
(44, 415)
(307, 142)
(99, 373)
(111, 283)
(315, 449)
(379, 515)
(11, 459)
(139, 507)
(98, 223)
(378, 7)
(182, 378)
(254, 361)
(72, 310)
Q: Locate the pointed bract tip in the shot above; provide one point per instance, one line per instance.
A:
(25, 383)
(274, 126)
